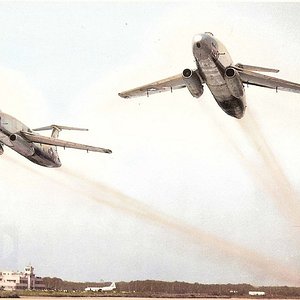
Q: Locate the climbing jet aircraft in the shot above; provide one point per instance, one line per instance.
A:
(224, 79)
(37, 148)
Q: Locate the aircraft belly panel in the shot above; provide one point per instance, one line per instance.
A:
(221, 91)
(215, 81)
(42, 159)
(233, 106)
(214, 78)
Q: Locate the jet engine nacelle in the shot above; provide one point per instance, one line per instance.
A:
(234, 82)
(193, 82)
(1, 150)
(21, 145)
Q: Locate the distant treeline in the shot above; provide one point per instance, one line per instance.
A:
(152, 287)
(58, 284)
(177, 287)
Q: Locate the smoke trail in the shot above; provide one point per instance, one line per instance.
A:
(117, 200)
(270, 175)
(114, 199)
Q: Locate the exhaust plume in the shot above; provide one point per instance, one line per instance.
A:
(115, 199)
(270, 175)
(246, 257)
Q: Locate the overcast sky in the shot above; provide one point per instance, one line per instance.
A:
(189, 193)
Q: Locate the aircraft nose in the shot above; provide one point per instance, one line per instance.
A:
(197, 39)
(201, 46)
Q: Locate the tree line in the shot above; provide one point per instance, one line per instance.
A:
(155, 287)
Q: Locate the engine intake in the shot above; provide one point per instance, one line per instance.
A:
(21, 145)
(230, 72)
(193, 82)
(234, 82)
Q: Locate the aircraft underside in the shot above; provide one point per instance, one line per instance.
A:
(231, 105)
(234, 107)
(37, 148)
(39, 157)
(226, 91)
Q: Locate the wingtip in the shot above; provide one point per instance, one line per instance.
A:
(122, 95)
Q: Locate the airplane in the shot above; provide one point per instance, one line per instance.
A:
(102, 289)
(37, 148)
(224, 79)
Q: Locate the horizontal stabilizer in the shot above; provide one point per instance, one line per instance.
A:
(255, 68)
(59, 127)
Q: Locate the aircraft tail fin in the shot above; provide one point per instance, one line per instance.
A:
(57, 128)
(255, 68)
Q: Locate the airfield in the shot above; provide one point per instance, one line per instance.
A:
(188, 192)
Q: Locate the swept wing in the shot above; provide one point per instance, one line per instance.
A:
(61, 143)
(247, 73)
(167, 84)
(254, 78)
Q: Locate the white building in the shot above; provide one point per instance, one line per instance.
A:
(11, 281)
(257, 293)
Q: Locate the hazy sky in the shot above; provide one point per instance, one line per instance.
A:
(189, 193)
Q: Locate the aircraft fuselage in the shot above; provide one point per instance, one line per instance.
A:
(11, 136)
(213, 64)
